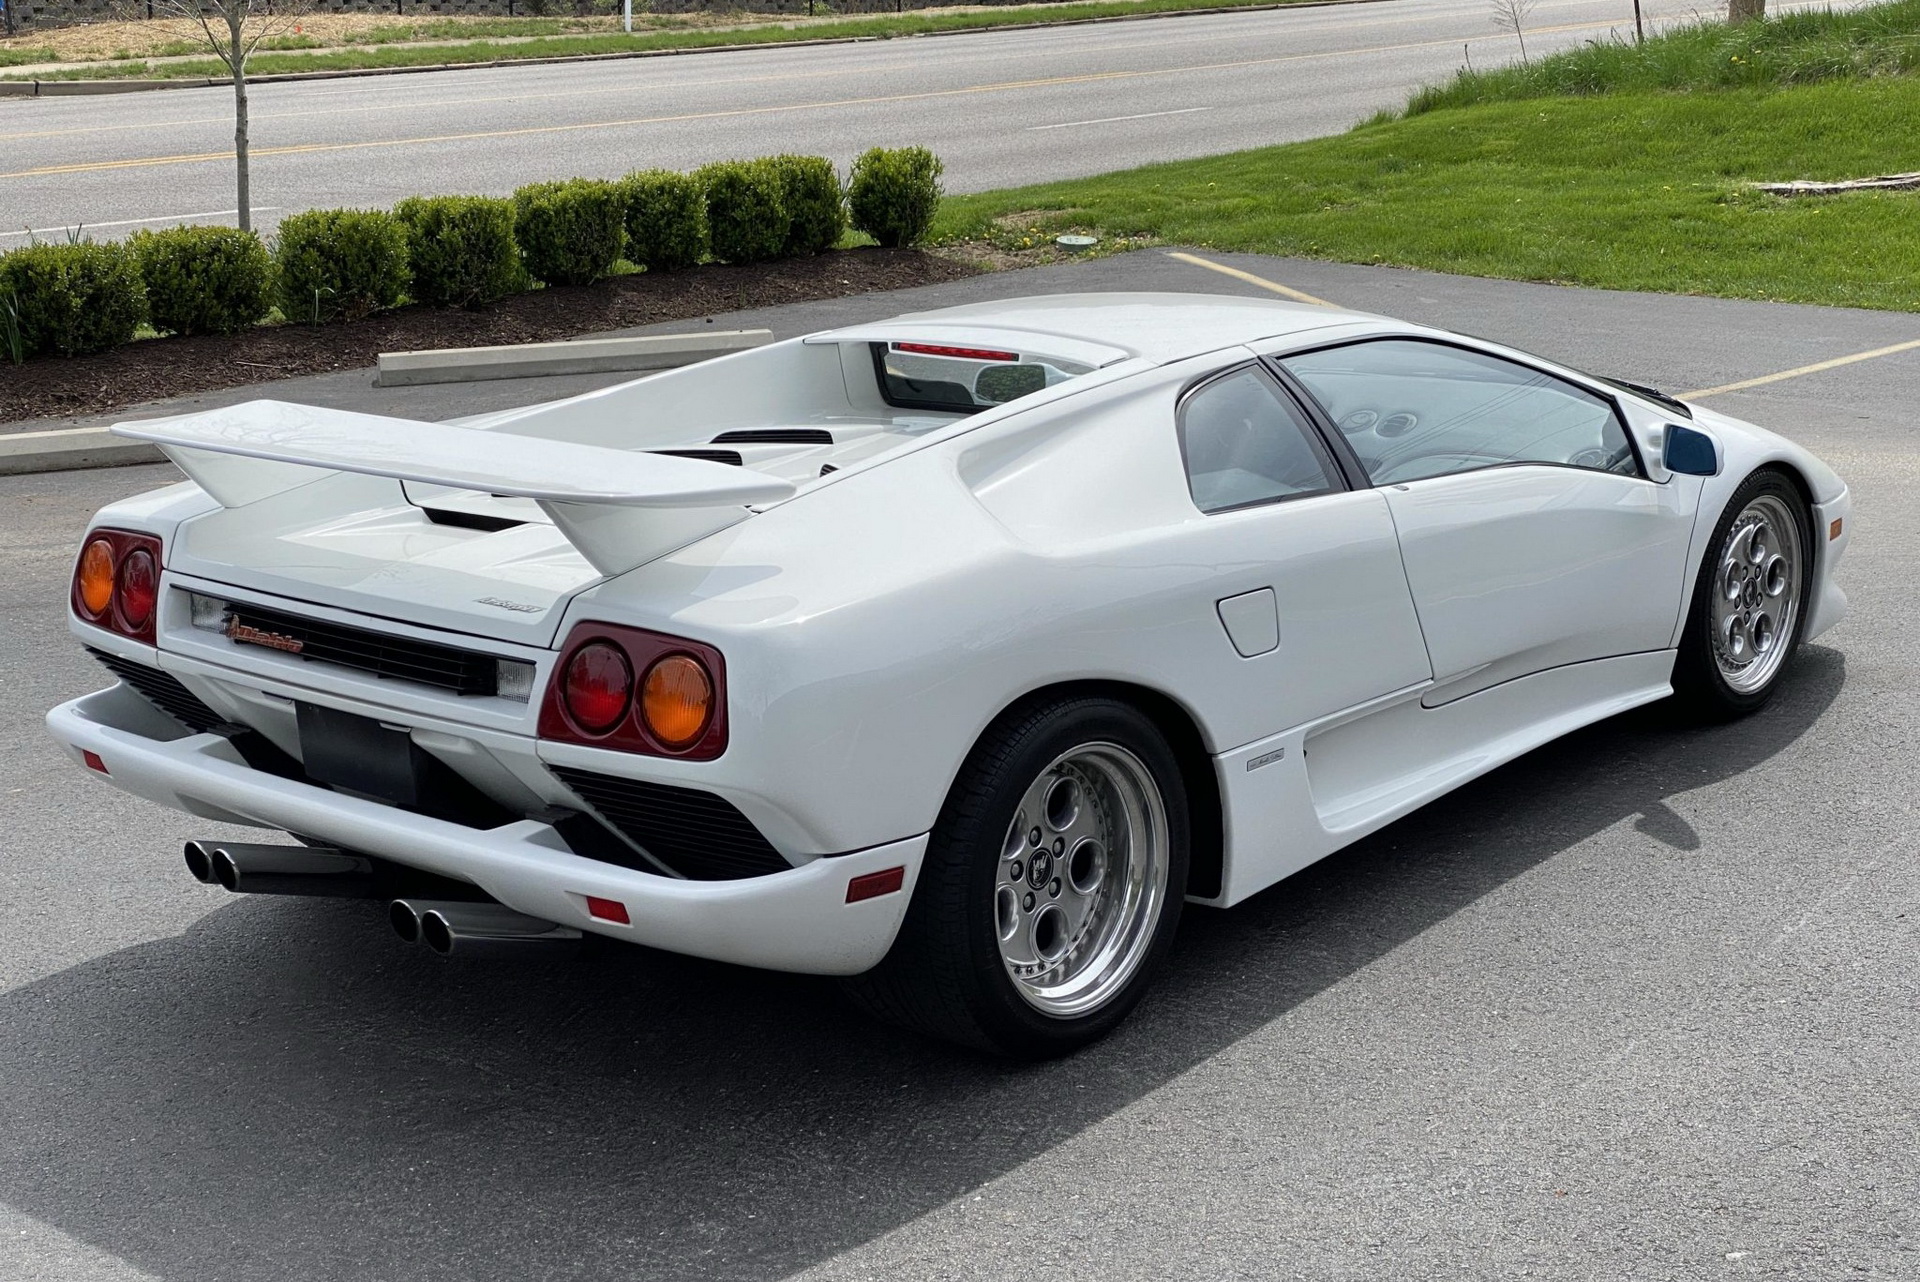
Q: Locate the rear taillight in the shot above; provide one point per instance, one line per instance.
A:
(116, 582)
(675, 708)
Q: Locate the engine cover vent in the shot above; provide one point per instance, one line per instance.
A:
(775, 436)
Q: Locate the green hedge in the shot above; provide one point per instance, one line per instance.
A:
(746, 210)
(69, 299)
(570, 233)
(465, 251)
(666, 219)
(204, 280)
(461, 250)
(892, 195)
(340, 263)
(815, 203)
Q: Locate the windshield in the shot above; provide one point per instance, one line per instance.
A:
(964, 380)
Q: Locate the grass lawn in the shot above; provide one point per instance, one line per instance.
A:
(1642, 191)
(874, 26)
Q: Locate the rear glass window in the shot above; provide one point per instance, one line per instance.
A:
(963, 380)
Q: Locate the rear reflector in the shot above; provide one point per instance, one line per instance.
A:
(959, 353)
(874, 884)
(93, 761)
(608, 910)
(1833, 531)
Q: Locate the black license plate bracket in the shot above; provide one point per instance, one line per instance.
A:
(360, 755)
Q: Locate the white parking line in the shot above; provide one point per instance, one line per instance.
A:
(1108, 120)
(1815, 368)
(1285, 291)
(77, 228)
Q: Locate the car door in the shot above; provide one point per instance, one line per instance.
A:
(1304, 570)
(1530, 534)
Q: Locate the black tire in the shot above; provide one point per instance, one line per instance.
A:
(1702, 690)
(945, 976)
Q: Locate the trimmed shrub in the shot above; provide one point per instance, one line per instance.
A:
(815, 203)
(460, 250)
(70, 299)
(340, 263)
(666, 219)
(892, 194)
(746, 210)
(570, 233)
(204, 280)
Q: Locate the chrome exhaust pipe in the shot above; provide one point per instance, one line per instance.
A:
(455, 929)
(248, 869)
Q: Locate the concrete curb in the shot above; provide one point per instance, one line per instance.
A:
(579, 356)
(69, 448)
(77, 88)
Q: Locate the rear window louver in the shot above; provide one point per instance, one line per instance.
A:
(730, 457)
(775, 436)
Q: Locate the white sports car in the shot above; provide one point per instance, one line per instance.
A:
(950, 654)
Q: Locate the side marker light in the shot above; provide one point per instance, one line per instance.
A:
(608, 910)
(1833, 530)
(872, 885)
(93, 761)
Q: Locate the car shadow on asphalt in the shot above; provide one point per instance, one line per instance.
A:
(288, 1091)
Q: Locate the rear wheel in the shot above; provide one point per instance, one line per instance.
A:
(1749, 603)
(1051, 888)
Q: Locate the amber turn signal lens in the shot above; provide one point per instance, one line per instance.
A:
(676, 700)
(96, 577)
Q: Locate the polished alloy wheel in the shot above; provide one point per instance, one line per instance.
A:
(1756, 594)
(1082, 879)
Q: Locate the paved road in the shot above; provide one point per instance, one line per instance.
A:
(1001, 108)
(1640, 1005)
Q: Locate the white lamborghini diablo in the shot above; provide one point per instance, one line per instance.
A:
(951, 654)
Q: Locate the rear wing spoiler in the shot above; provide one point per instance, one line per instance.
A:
(619, 508)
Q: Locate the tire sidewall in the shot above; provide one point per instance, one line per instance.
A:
(1002, 1013)
(1699, 675)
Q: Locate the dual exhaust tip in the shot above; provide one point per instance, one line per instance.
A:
(448, 927)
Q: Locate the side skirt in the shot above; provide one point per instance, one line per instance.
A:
(1298, 796)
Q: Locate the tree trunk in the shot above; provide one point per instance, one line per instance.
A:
(1746, 10)
(238, 61)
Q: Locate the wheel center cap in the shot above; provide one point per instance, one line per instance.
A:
(1751, 595)
(1040, 868)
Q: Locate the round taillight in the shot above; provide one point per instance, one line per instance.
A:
(676, 700)
(96, 577)
(598, 687)
(139, 588)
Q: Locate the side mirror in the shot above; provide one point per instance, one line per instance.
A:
(1690, 452)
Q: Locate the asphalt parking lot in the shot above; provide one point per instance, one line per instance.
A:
(1641, 1005)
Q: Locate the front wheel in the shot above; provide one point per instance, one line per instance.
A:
(1749, 602)
(1051, 887)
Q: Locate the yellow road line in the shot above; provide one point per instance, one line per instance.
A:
(1815, 368)
(1251, 279)
(143, 162)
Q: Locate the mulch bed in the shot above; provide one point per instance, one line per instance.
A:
(54, 387)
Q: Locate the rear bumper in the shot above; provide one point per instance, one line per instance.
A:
(794, 921)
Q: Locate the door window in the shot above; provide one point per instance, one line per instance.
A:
(1246, 443)
(1413, 409)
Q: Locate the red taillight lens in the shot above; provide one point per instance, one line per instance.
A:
(598, 687)
(679, 708)
(116, 583)
(139, 582)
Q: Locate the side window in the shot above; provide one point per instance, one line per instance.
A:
(1246, 442)
(1414, 409)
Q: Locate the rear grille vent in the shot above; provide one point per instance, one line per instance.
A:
(404, 658)
(695, 833)
(775, 436)
(163, 690)
(729, 457)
